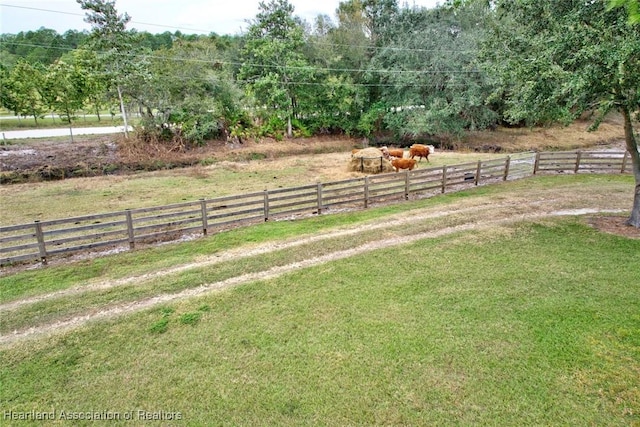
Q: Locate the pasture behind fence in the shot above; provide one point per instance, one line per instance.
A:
(41, 240)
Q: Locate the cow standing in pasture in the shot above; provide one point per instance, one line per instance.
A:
(388, 153)
(396, 152)
(403, 164)
(421, 151)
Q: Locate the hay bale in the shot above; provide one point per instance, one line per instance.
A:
(369, 160)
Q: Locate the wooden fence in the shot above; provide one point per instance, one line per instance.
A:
(41, 240)
(583, 161)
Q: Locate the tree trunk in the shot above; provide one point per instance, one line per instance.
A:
(70, 126)
(632, 148)
(124, 113)
(634, 219)
(289, 128)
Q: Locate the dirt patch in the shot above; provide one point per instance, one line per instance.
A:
(614, 225)
(51, 160)
(575, 136)
(43, 160)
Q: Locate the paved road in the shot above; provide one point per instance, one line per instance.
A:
(43, 133)
(4, 117)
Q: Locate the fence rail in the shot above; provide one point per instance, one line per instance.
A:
(578, 161)
(41, 240)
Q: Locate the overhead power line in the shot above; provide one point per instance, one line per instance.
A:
(233, 63)
(408, 49)
(395, 48)
(417, 73)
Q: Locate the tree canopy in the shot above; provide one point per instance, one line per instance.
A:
(556, 61)
(376, 68)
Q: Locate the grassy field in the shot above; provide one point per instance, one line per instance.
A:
(533, 322)
(500, 314)
(27, 202)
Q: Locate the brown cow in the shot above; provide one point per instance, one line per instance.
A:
(396, 152)
(421, 151)
(403, 164)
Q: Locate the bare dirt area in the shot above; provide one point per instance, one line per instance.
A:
(610, 133)
(614, 225)
(41, 160)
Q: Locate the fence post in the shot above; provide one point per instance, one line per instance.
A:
(266, 205)
(319, 191)
(624, 161)
(132, 239)
(205, 224)
(578, 157)
(406, 185)
(361, 164)
(41, 247)
(507, 163)
(366, 192)
(536, 163)
(444, 178)
(478, 169)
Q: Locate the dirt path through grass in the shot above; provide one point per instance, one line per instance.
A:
(241, 253)
(472, 213)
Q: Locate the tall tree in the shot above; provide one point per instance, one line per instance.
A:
(96, 82)
(115, 46)
(21, 89)
(274, 67)
(429, 72)
(351, 39)
(335, 101)
(191, 87)
(379, 15)
(559, 59)
(65, 89)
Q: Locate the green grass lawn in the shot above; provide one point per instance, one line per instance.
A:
(81, 120)
(535, 325)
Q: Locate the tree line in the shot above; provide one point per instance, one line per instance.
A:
(376, 70)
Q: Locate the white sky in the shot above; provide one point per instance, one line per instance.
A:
(187, 16)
